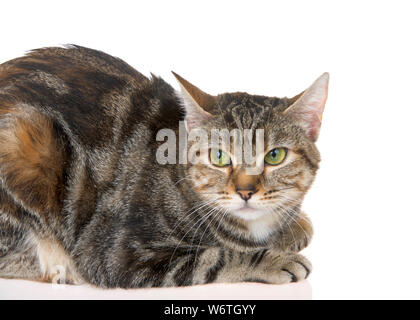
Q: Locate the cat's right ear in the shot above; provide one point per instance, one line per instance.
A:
(197, 103)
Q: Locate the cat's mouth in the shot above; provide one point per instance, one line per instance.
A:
(247, 212)
(246, 208)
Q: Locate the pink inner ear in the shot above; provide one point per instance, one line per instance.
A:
(196, 119)
(310, 107)
(191, 123)
(314, 126)
(308, 111)
(315, 117)
(309, 120)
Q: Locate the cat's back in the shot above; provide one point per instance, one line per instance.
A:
(72, 122)
(89, 92)
(71, 65)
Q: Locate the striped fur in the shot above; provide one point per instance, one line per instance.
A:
(82, 198)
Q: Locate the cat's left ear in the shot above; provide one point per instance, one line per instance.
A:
(197, 103)
(307, 107)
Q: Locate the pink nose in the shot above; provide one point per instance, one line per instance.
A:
(245, 194)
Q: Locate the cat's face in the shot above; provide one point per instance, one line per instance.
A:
(283, 166)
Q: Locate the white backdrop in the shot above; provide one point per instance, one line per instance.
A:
(364, 203)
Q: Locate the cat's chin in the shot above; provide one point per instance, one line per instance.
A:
(260, 223)
(249, 213)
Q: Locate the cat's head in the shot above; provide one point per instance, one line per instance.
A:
(288, 158)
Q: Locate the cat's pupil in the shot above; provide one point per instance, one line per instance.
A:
(219, 154)
(274, 153)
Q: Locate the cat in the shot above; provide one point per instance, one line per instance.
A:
(84, 200)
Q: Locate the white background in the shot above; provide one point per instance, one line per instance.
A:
(364, 203)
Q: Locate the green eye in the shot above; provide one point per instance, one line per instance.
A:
(219, 158)
(275, 156)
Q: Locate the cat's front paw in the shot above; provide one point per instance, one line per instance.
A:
(287, 267)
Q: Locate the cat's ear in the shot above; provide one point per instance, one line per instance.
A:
(307, 107)
(197, 103)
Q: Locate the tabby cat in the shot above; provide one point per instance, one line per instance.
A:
(83, 198)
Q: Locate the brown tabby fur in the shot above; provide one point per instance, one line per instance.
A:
(82, 198)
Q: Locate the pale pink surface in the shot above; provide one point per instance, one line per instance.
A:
(22, 289)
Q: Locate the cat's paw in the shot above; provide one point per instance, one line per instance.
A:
(288, 267)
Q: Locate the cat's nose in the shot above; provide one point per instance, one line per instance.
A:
(246, 194)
